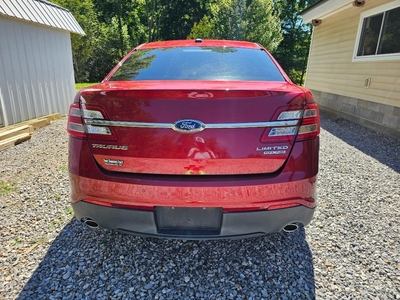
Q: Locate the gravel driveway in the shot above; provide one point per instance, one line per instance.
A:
(349, 251)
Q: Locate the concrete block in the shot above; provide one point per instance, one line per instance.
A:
(362, 103)
(396, 111)
(390, 121)
(374, 106)
(349, 100)
(337, 105)
(317, 94)
(363, 112)
(326, 95)
(386, 109)
(349, 109)
(375, 116)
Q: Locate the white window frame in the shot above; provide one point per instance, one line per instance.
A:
(366, 14)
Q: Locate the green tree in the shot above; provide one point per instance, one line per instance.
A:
(124, 18)
(292, 52)
(82, 46)
(112, 28)
(107, 51)
(263, 25)
(156, 11)
(178, 18)
(252, 20)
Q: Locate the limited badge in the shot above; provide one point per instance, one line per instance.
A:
(271, 150)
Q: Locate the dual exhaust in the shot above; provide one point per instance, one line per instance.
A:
(290, 228)
(89, 222)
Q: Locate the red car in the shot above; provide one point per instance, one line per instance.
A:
(194, 139)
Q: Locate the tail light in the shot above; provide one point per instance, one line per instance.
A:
(77, 126)
(308, 124)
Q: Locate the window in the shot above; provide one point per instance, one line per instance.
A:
(380, 33)
(198, 63)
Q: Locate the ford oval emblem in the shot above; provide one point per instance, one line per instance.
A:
(188, 126)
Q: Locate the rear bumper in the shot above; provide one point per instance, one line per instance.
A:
(236, 196)
(251, 205)
(233, 225)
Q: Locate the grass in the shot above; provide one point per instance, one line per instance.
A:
(79, 86)
(17, 241)
(6, 188)
(69, 211)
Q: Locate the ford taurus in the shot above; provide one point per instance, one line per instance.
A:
(194, 139)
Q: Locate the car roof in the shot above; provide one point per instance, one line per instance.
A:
(200, 43)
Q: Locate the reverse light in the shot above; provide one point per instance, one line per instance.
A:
(308, 124)
(98, 130)
(282, 131)
(92, 114)
(290, 115)
(77, 126)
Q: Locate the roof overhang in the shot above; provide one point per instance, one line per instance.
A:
(41, 12)
(324, 8)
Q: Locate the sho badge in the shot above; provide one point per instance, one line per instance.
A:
(113, 162)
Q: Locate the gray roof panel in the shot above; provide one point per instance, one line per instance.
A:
(41, 12)
(59, 18)
(36, 11)
(30, 12)
(48, 11)
(20, 9)
(4, 7)
(12, 9)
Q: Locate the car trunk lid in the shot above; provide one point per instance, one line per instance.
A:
(205, 128)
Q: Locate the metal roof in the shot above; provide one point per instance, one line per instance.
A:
(312, 6)
(41, 12)
(325, 8)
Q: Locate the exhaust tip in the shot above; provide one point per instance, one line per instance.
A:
(89, 222)
(290, 228)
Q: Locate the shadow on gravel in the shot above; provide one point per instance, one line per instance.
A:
(377, 145)
(101, 264)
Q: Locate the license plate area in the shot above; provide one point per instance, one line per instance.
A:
(188, 221)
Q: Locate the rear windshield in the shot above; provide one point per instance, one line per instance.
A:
(198, 63)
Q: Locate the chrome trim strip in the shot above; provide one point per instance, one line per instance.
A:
(128, 124)
(252, 124)
(207, 126)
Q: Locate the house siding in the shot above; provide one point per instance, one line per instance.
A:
(338, 82)
(36, 71)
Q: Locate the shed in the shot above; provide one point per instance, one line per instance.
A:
(354, 61)
(36, 70)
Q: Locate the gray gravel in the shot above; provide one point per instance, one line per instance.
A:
(349, 251)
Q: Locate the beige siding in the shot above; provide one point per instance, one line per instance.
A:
(331, 69)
